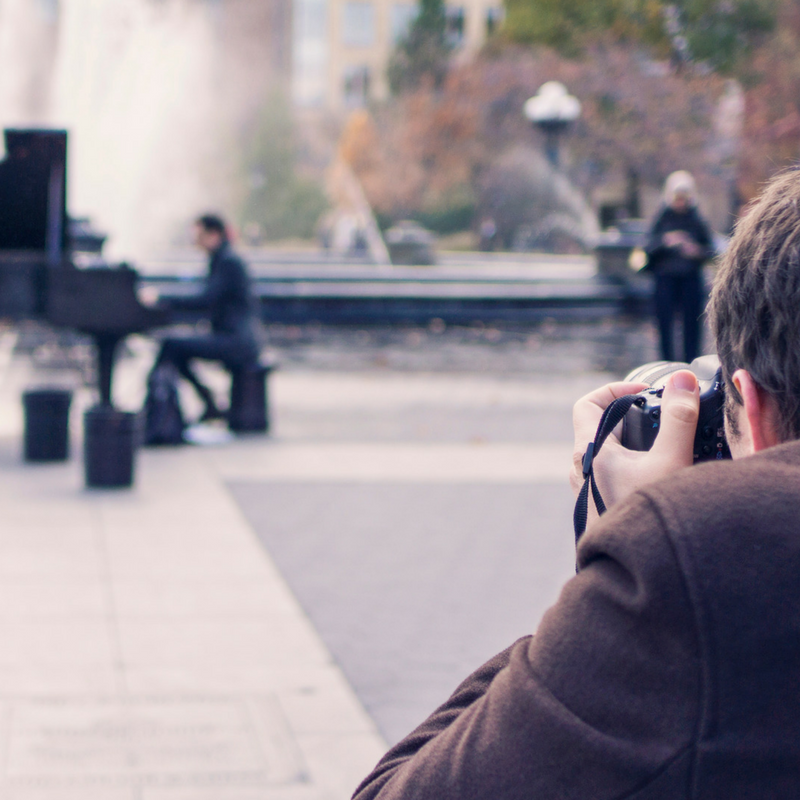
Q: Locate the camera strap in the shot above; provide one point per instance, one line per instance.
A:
(612, 416)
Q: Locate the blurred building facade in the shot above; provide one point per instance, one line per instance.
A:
(342, 47)
(257, 36)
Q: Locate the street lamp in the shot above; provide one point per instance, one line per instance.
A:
(552, 109)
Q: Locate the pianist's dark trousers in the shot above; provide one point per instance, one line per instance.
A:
(234, 352)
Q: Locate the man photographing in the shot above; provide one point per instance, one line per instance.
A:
(670, 665)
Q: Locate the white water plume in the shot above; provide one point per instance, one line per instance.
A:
(141, 87)
(27, 45)
(134, 85)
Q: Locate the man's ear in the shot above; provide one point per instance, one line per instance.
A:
(760, 411)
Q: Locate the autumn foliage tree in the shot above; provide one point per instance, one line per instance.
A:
(432, 150)
(720, 33)
(756, 42)
(771, 139)
(422, 54)
(653, 77)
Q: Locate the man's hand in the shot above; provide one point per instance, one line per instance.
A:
(691, 249)
(619, 471)
(148, 296)
(684, 243)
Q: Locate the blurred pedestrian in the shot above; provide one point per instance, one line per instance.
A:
(229, 304)
(678, 245)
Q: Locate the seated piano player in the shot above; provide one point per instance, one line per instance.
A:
(230, 306)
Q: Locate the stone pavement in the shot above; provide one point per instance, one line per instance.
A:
(218, 631)
(149, 648)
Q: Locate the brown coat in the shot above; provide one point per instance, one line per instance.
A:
(669, 667)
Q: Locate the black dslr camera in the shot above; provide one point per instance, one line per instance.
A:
(641, 424)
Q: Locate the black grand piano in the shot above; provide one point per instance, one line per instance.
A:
(38, 275)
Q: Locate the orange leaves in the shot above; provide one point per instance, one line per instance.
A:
(429, 144)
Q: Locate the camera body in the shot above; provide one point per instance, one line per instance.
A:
(641, 424)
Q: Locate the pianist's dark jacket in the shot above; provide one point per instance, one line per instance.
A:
(227, 296)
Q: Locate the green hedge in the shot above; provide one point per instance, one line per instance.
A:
(446, 219)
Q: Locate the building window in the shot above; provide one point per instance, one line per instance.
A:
(401, 19)
(358, 25)
(494, 16)
(356, 86)
(454, 25)
(310, 20)
(310, 52)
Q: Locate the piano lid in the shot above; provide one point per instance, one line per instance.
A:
(33, 192)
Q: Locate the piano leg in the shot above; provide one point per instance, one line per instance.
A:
(106, 352)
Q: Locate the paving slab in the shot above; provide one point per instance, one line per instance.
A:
(414, 584)
(150, 646)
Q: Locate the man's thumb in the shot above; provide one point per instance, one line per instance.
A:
(680, 408)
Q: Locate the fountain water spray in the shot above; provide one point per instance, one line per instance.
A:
(140, 86)
(134, 85)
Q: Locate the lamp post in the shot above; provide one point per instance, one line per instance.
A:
(552, 109)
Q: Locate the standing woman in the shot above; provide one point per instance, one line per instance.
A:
(678, 245)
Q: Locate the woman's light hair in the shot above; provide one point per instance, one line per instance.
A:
(680, 182)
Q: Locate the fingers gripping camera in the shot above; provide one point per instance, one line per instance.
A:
(641, 416)
(642, 423)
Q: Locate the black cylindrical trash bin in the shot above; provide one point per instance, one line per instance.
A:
(46, 424)
(110, 438)
(249, 411)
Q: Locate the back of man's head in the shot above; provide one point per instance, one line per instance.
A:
(213, 223)
(755, 305)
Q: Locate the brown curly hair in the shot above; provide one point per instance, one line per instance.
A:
(755, 304)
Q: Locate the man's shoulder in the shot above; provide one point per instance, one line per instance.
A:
(228, 255)
(756, 478)
(722, 510)
(718, 507)
(227, 262)
(713, 530)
